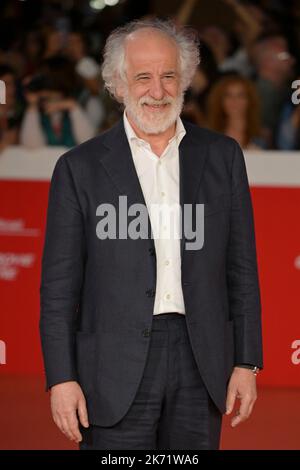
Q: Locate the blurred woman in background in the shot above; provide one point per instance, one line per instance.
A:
(233, 109)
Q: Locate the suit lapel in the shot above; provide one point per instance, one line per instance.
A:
(119, 165)
(192, 157)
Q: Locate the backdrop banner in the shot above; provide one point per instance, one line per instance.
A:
(275, 187)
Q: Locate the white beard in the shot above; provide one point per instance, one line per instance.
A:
(153, 122)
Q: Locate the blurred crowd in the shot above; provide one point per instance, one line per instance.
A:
(51, 67)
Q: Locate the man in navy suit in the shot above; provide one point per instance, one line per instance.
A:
(150, 336)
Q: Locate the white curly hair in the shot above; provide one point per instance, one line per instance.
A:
(114, 66)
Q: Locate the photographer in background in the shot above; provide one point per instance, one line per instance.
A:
(53, 115)
(89, 71)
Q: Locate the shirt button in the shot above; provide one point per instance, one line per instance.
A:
(168, 296)
(152, 251)
(167, 262)
(146, 332)
(150, 292)
(163, 193)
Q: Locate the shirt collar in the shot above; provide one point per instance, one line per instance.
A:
(131, 135)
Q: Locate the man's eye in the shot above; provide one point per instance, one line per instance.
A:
(169, 76)
(143, 78)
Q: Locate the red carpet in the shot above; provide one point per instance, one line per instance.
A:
(26, 422)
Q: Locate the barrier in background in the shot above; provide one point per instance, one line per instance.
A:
(275, 187)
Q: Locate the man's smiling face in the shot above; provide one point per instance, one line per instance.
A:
(152, 95)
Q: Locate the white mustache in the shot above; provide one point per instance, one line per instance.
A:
(152, 102)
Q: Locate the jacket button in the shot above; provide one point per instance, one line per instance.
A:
(150, 292)
(146, 332)
(151, 251)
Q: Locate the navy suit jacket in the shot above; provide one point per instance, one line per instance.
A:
(97, 296)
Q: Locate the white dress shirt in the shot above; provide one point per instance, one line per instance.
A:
(159, 180)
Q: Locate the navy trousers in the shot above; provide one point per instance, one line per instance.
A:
(172, 409)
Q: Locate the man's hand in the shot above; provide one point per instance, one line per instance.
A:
(66, 399)
(242, 385)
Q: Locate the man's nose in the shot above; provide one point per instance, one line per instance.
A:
(157, 90)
